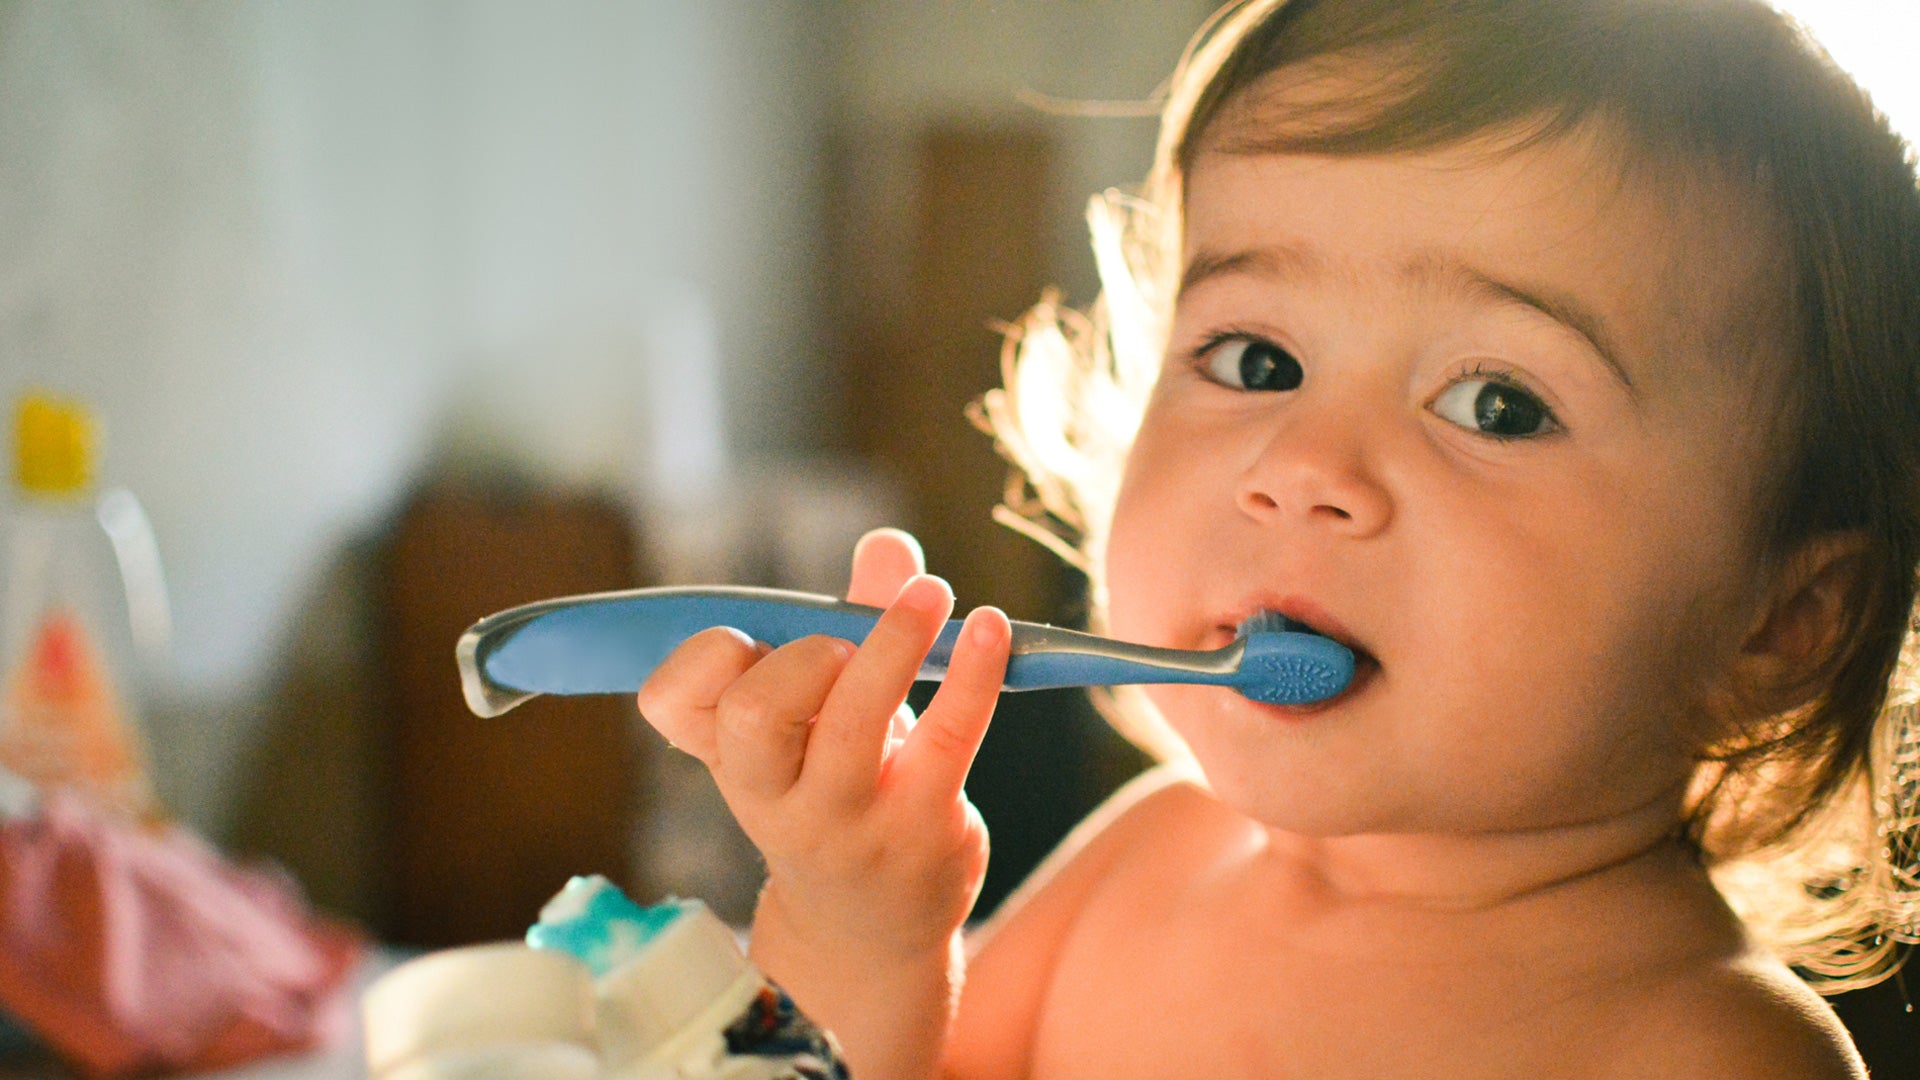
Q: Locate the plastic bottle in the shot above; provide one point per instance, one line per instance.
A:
(83, 618)
(648, 993)
(484, 1012)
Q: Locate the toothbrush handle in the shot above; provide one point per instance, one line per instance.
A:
(610, 642)
(1043, 657)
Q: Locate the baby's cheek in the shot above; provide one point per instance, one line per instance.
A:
(1136, 575)
(1630, 716)
(1695, 658)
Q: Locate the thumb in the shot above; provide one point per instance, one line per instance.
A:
(883, 560)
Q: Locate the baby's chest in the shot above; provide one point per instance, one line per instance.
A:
(1204, 997)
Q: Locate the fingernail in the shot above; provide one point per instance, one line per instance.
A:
(982, 630)
(889, 531)
(925, 592)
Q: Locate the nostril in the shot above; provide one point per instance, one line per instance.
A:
(1331, 494)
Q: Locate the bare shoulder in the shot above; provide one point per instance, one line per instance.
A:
(1746, 1017)
(1012, 959)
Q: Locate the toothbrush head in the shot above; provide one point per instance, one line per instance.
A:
(1284, 663)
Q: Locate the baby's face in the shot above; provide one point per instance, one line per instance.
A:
(1494, 420)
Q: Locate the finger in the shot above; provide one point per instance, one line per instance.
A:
(934, 761)
(850, 738)
(678, 699)
(902, 723)
(763, 720)
(897, 730)
(883, 561)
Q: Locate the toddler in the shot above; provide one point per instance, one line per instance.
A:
(1558, 357)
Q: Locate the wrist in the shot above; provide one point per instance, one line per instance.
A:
(890, 1009)
(784, 937)
(849, 923)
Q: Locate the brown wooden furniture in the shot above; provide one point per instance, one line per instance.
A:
(488, 818)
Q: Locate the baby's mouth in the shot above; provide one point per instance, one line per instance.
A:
(1267, 620)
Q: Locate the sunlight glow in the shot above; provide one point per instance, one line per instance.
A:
(1875, 41)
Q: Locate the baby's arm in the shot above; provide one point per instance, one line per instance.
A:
(874, 856)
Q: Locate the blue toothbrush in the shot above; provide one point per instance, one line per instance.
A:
(608, 643)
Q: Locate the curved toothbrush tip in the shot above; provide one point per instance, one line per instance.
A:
(1291, 668)
(485, 698)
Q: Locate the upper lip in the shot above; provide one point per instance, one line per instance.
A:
(1299, 609)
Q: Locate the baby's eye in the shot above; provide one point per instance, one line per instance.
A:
(1496, 408)
(1252, 364)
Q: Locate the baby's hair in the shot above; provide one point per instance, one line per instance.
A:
(1809, 818)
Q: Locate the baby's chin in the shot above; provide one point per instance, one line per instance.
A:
(1291, 792)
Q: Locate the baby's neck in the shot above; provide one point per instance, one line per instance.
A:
(1463, 872)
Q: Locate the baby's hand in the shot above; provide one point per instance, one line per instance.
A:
(874, 855)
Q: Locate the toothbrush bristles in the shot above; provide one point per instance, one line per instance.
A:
(1268, 622)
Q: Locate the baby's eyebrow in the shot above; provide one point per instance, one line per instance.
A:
(1566, 310)
(1292, 261)
(1274, 261)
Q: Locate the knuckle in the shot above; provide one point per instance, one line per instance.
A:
(810, 848)
(657, 695)
(946, 740)
(705, 658)
(649, 701)
(849, 862)
(721, 644)
(822, 649)
(751, 709)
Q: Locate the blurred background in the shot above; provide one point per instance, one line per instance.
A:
(397, 313)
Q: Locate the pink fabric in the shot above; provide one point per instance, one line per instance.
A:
(139, 950)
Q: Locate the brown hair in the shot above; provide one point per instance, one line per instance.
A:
(1822, 799)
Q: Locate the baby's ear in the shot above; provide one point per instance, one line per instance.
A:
(1789, 655)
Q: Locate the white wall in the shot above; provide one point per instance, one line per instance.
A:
(291, 251)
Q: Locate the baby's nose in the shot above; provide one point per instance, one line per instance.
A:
(1316, 471)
